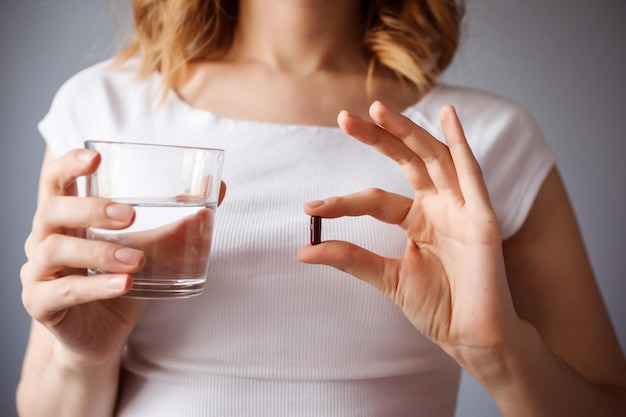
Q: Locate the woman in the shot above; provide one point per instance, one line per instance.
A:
(492, 274)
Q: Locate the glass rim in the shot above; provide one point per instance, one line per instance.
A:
(153, 145)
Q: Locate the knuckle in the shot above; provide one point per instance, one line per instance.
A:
(29, 246)
(30, 282)
(48, 169)
(66, 291)
(410, 160)
(49, 247)
(405, 129)
(89, 212)
(25, 273)
(43, 213)
(28, 301)
(335, 200)
(100, 253)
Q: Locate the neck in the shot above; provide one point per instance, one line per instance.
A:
(300, 36)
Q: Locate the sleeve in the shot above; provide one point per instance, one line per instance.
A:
(68, 122)
(515, 159)
(96, 103)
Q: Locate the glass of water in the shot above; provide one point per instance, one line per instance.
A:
(175, 191)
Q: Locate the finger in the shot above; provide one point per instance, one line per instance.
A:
(382, 205)
(45, 299)
(58, 252)
(349, 258)
(468, 170)
(57, 214)
(378, 138)
(200, 190)
(433, 153)
(58, 176)
(194, 229)
(222, 193)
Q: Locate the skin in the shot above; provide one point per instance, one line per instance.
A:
(524, 316)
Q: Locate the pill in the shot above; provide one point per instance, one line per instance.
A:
(316, 230)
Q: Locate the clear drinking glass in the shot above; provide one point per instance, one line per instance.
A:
(175, 191)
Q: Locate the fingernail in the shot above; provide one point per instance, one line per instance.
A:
(346, 114)
(315, 203)
(85, 155)
(117, 282)
(128, 256)
(119, 212)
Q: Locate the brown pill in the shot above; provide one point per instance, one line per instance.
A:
(316, 230)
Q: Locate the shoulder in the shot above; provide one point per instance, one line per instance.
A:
(495, 126)
(96, 103)
(480, 111)
(108, 85)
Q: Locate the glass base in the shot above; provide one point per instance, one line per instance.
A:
(161, 294)
(156, 288)
(165, 289)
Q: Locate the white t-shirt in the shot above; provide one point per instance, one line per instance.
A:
(271, 336)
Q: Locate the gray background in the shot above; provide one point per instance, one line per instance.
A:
(564, 60)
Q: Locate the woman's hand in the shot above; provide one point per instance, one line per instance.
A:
(90, 324)
(450, 282)
(180, 247)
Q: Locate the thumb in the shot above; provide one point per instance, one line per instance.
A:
(347, 257)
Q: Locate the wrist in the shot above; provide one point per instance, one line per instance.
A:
(71, 363)
(501, 365)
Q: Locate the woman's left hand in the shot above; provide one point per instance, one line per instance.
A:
(451, 281)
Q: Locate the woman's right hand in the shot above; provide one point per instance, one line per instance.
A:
(84, 314)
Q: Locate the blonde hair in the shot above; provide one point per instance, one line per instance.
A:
(413, 39)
